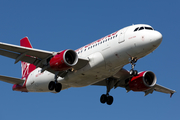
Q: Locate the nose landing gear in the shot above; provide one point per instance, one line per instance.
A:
(133, 72)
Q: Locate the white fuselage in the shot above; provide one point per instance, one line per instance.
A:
(106, 57)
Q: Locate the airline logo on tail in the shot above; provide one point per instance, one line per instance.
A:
(25, 69)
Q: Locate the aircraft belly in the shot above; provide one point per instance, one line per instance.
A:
(86, 76)
(85, 79)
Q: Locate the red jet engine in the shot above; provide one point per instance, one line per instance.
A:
(143, 81)
(63, 60)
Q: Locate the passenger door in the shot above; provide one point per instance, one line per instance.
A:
(122, 36)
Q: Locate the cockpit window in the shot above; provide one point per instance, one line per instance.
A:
(136, 29)
(141, 28)
(148, 28)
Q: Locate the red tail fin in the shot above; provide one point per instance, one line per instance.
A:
(27, 68)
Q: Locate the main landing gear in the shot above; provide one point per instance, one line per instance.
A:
(106, 98)
(55, 85)
(133, 72)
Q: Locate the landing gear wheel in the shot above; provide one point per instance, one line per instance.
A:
(51, 85)
(106, 99)
(103, 98)
(109, 100)
(58, 87)
(133, 72)
(55, 85)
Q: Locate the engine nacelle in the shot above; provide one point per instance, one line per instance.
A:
(63, 60)
(143, 81)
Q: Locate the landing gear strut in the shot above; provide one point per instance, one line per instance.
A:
(55, 85)
(106, 98)
(133, 72)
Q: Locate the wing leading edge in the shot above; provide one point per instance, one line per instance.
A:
(34, 56)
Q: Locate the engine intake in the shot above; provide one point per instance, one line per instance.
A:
(143, 81)
(64, 60)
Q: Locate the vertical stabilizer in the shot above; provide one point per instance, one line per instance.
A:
(27, 68)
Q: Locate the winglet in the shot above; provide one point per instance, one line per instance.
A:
(25, 42)
(171, 95)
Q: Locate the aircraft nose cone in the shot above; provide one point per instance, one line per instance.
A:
(157, 38)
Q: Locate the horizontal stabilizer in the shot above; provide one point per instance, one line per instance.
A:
(11, 80)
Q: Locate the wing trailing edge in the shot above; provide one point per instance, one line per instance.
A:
(163, 89)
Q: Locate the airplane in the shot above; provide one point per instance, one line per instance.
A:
(99, 63)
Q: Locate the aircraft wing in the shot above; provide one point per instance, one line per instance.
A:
(11, 80)
(34, 56)
(124, 75)
(163, 89)
(41, 54)
(157, 87)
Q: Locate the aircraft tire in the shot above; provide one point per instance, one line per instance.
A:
(109, 100)
(135, 72)
(58, 87)
(131, 72)
(103, 98)
(51, 85)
